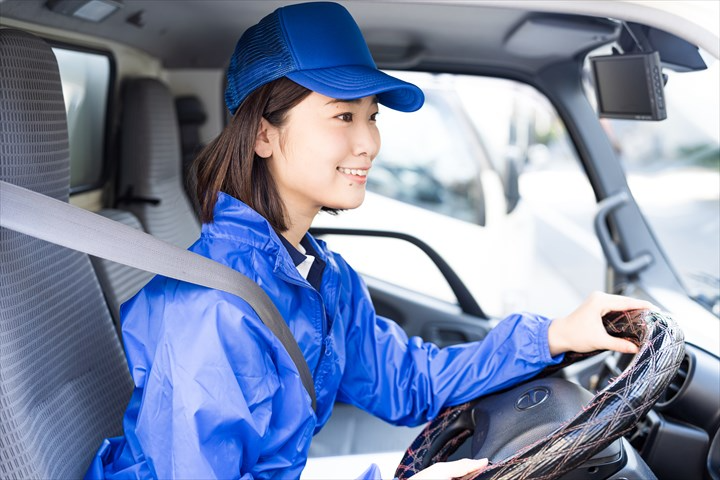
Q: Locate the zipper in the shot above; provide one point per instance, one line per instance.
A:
(323, 327)
(324, 341)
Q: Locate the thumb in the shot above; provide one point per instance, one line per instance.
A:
(466, 465)
(448, 470)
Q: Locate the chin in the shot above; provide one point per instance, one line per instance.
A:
(347, 204)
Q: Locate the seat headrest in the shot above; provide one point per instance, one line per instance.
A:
(33, 121)
(150, 135)
(190, 110)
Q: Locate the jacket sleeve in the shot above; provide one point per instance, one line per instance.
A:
(205, 402)
(407, 381)
(372, 473)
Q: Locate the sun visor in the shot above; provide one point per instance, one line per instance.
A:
(675, 53)
(545, 35)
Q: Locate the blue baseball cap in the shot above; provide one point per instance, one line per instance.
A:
(319, 46)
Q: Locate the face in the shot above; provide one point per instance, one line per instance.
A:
(322, 155)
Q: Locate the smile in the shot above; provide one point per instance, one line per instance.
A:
(353, 171)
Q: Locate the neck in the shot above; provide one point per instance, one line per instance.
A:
(298, 226)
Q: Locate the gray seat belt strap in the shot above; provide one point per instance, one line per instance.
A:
(54, 221)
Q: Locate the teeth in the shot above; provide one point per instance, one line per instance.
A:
(353, 171)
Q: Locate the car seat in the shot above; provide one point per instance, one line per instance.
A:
(151, 184)
(119, 282)
(152, 180)
(191, 116)
(64, 381)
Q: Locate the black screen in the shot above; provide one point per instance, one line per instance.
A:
(622, 85)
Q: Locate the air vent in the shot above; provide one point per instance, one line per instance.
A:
(676, 384)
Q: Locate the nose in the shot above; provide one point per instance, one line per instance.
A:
(366, 140)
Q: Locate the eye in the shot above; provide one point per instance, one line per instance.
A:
(345, 117)
(373, 117)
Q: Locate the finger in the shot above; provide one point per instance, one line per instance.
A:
(621, 345)
(467, 465)
(613, 303)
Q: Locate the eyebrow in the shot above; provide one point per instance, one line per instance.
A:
(353, 100)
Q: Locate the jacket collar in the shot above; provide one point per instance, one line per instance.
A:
(235, 220)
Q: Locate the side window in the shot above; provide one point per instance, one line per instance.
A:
(432, 158)
(85, 80)
(485, 174)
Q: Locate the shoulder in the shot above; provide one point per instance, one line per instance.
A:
(182, 322)
(236, 253)
(186, 306)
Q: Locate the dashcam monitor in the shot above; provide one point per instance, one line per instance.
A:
(629, 86)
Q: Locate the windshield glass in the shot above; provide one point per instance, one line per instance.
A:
(673, 170)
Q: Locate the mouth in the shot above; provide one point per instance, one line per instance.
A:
(357, 174)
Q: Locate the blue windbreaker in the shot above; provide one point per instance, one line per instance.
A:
(217, 396)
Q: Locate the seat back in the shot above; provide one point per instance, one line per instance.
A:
(151, 183)
(119, 282)
(64, 381)
(191, 116)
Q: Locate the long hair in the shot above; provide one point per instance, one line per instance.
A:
(229, 163)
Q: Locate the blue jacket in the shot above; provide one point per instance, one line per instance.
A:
(217, 396)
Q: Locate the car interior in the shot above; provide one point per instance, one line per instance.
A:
(64, 380)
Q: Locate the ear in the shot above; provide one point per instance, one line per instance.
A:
(263, 145)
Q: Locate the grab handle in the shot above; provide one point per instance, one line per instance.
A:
(612, 253)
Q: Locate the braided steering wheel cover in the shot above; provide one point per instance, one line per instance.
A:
(611, 413)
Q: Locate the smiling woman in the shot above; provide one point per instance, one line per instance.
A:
(283, 158)
(498, 178)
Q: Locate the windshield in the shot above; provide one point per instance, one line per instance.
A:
(680, 157)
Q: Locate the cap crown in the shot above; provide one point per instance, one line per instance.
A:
(319, 46)
(338, 42)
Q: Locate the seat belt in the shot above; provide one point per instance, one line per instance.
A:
(58, 222)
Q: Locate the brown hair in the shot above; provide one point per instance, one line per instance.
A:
(229, 163)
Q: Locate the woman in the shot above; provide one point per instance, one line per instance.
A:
(216, 394)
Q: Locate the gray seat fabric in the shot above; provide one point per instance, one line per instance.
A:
(151, 184)
(119, 282)
(64, 381)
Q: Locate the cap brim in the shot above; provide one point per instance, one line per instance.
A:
(357, 81)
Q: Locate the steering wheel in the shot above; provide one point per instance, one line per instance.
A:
(610, 414)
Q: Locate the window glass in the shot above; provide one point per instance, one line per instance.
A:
(551, 258)
(485, 174)
(673, 170)
(85, 80)
(431, 158)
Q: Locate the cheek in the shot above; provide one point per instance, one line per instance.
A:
(336, 143)
(306, 144)
(378, 141)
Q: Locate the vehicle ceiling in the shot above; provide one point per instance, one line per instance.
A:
(202, 33)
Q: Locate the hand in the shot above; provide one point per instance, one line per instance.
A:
(449, 470)
(583, 331)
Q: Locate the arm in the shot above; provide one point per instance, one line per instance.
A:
(406, 381)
